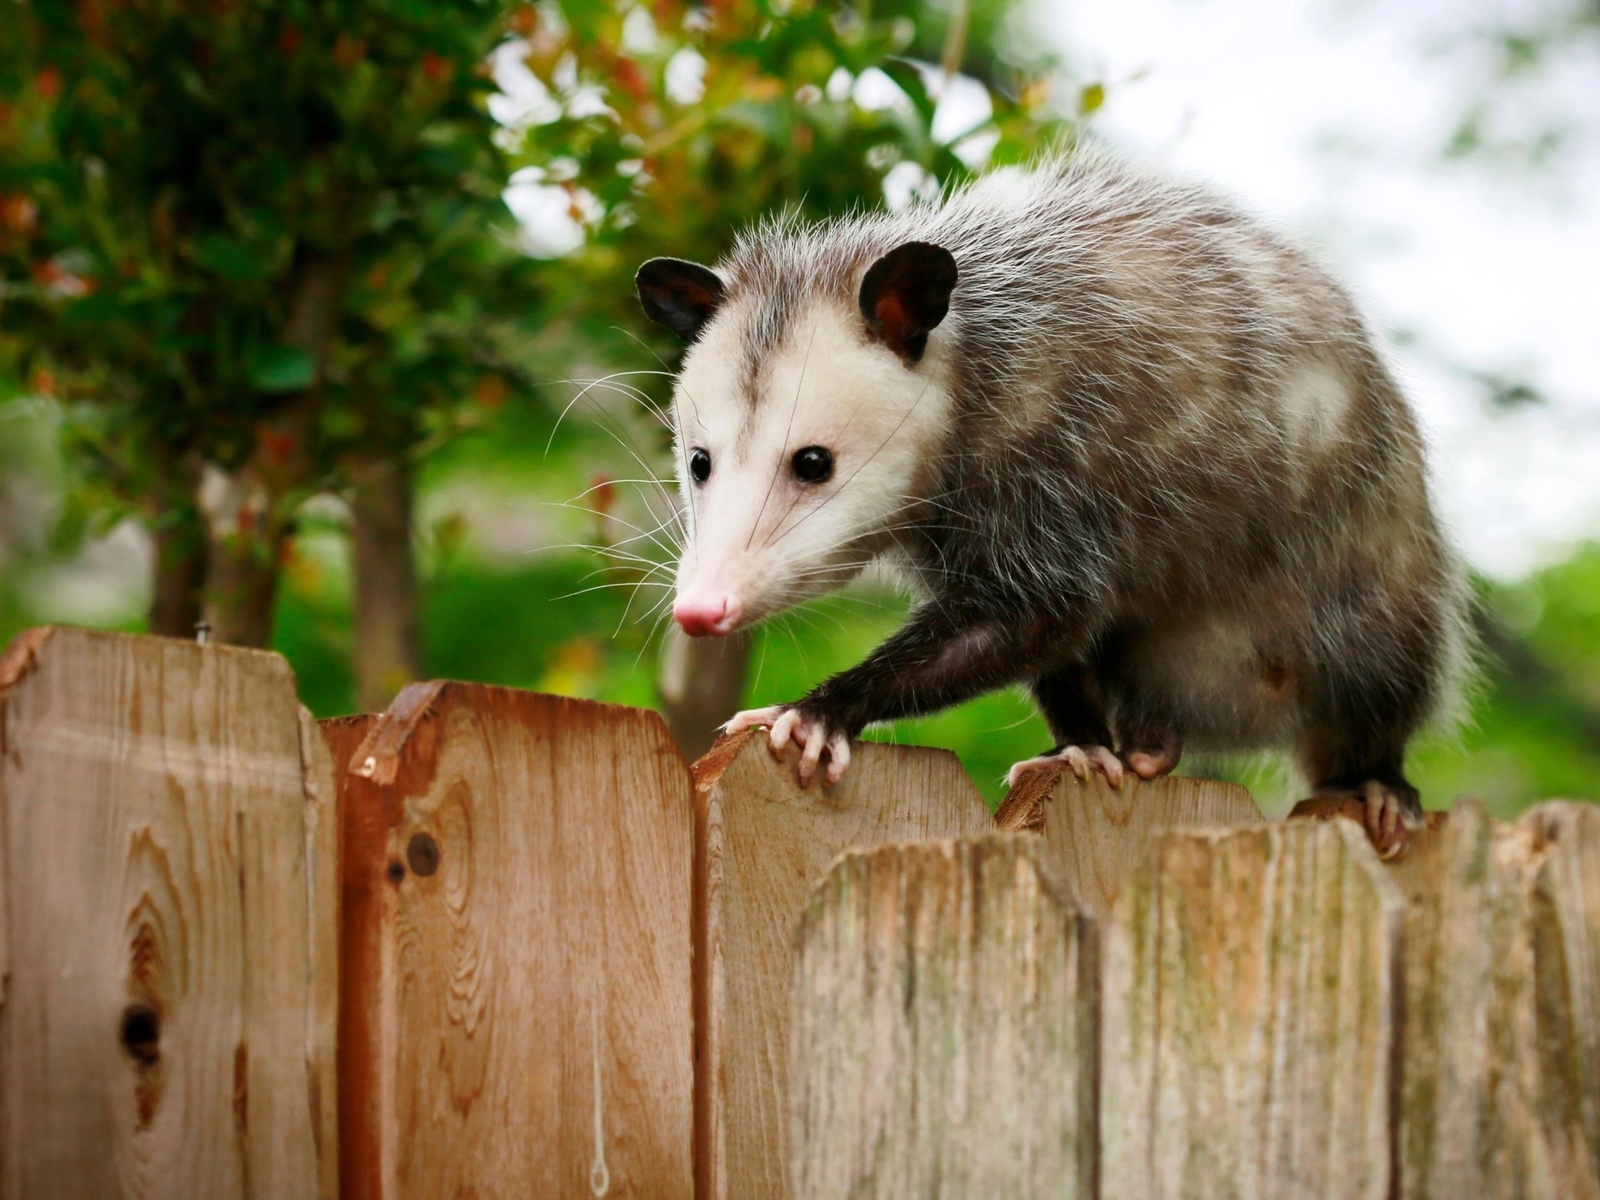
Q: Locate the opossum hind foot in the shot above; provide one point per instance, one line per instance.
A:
(1149, 754)
(1393, 813)
(1081, 759)
(811, 735)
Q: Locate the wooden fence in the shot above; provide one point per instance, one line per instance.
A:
(498, 944)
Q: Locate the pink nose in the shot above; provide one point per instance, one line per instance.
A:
(702, 613)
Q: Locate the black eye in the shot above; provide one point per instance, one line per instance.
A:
(699, 465)
(812, 464)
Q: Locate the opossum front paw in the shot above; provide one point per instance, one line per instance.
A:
(813, 736)
(1081, 759)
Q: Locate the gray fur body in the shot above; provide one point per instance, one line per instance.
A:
(1176, 491)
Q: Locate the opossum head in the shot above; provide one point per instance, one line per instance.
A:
(804, 424)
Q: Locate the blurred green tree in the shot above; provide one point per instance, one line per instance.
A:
(258, 251)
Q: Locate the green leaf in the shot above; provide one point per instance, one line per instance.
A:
(1091, 98)
(227, 257)
(281, 369)
(909, 79)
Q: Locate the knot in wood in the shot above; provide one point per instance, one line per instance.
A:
(422, 853)
(141, 1034)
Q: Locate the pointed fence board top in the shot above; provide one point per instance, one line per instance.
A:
(1249, 1030)
(517, 1005)
(763, 843)
(167, 883)
(943, 1028)
(1500, 1079)
(1095, 835)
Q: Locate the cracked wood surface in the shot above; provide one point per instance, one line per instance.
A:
(762, 844)
(168, 884)
(943, 1037)
(1248, 1029)
(1500, 1091)
(517, 889)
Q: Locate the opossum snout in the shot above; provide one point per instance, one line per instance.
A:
(700, 613)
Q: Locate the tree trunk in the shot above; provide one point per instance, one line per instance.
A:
(242, 586)
(179, 535)
(246, 511)
(388, 652)
(246, 538)
(701, 685)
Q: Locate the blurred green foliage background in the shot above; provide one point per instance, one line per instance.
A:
(275, 351)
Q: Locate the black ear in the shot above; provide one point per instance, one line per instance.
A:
(905, 294)
(680, 295)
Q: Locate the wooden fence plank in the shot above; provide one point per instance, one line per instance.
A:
(1095, 835)
(1466, 1121)
(1502, 975)
(943, 1028)
(360, 938)
(168, 866)
(518, 1012)
(762, 843)
(1248, 1027)
(1566, 957)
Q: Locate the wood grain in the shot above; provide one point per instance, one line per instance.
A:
(1566, 960)
(169, 879)
(943, 1037)
(1096, 835)
(762, 844)
(1468, 1070)
(1500, 1033)
(517, 888)
(360, 937)
(1249, 1022)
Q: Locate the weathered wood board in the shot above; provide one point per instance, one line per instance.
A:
(1250, 982)
(169, 893)
(360, 942)
(943, 1036)
(1095, 835)
(517, 1010)
(1500, 1076)
(762, 844)
(1566, 961)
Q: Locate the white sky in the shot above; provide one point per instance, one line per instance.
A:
(1327, 118)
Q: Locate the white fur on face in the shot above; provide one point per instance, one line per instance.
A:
(754, 529)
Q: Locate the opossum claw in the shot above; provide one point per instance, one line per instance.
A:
(785, 729)
(787, 724)
(750, 718)
(814, 737)
(1389, 823)
(838, 758)
(1081, 759)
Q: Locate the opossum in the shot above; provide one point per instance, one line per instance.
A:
(1126, 444)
